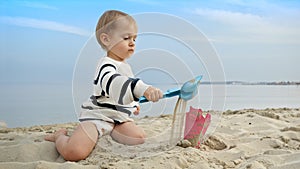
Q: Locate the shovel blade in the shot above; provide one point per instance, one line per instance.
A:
(190, 88)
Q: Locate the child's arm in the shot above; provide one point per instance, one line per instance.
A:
(122, 89)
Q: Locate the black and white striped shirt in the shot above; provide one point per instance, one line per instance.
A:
(115, 88)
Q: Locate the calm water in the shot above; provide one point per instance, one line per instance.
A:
(27, 105)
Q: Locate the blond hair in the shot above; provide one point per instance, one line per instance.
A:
(106, 23)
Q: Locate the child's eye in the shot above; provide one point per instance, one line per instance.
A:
(128, 38)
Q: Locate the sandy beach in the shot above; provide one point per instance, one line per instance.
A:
(248, 138)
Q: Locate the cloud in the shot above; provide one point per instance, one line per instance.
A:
(37, 5)
(229, 17)
(43, 24)
(254, 27)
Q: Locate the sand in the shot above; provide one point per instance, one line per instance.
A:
(249, 138)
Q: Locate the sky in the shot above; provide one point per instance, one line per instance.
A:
(255, 40)
(47, 48)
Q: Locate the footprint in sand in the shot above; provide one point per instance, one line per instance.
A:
(215, 143)
(269, 114)
(297, 129)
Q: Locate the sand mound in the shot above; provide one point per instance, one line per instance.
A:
(249, 138)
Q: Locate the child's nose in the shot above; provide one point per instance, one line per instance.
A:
(132, 43)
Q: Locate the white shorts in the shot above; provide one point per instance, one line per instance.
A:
(103, 127)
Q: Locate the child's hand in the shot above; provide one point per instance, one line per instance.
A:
(153, 94)
(137, 112)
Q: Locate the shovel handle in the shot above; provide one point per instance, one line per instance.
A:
(169, 93)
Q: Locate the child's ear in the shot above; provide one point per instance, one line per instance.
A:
(105, 39)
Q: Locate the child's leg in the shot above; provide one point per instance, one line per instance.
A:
(79, 145)
(128, 133)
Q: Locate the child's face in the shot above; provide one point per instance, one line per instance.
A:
(122, 40)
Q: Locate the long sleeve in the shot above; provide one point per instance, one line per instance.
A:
(109, 81)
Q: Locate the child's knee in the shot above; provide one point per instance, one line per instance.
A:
(140, 138)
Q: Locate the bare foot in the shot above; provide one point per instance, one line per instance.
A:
(54, 136)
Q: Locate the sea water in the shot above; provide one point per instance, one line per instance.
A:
(27, 105)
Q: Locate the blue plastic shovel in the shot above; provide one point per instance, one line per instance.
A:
(186, 92)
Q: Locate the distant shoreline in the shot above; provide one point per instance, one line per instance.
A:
(282, 83)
